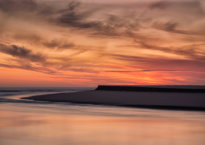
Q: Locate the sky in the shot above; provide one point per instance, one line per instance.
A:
(92, 42)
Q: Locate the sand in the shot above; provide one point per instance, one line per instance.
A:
(165, 100)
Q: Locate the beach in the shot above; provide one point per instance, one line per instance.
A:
(146, 97)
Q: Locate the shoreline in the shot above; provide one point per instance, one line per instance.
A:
(138, 99)
(157, 107)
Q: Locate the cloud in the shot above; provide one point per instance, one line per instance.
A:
(75, 15)
(178, 16)
(30, 67)
(73, 18)
(17, 5)
(82, 37)
(159, 5)
(168, 26)
(162, 63)
(21, 52)
(37, 39)
(172, 12)
(151, 70)
(83, 17)
(188, 51)
(58, 44)
(183, 6)
(174, 27)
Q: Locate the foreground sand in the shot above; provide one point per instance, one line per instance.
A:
(167, 100)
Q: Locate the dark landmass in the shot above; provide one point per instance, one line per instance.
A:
(179, 89)
(159, 97)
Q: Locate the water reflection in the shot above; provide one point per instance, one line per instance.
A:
(59, 124)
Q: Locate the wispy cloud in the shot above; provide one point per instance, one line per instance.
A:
(21, 52)
(13, 6)
(163, 63)
(58, 44)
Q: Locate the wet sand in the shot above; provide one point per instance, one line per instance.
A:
(62, 124)
(147, 99)
(24, 122)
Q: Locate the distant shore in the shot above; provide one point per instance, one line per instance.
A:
(168, 88)
(167, 97)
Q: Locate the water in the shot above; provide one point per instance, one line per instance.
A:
(24, 122)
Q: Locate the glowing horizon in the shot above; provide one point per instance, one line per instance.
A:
(87, 42)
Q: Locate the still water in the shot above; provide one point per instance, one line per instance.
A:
(43, 123)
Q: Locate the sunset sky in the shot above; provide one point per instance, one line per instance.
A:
(91, 42)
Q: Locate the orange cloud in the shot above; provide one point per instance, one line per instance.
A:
(89, 43)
